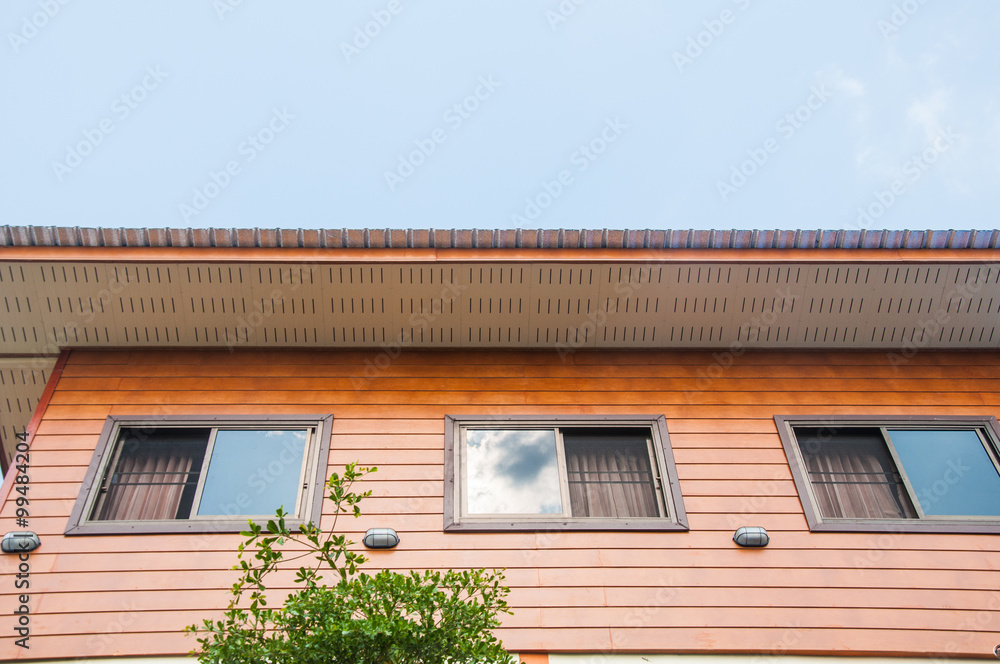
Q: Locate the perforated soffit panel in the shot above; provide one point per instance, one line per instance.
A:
(22, 381)
(46, 306)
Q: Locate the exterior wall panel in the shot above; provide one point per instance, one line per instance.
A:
(693, 592)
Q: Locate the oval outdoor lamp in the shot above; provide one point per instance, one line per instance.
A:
(751, 536)
(381, 538)
(20, 542)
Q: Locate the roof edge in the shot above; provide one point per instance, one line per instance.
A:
(347, 238)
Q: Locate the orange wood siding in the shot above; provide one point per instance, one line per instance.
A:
(696, 592)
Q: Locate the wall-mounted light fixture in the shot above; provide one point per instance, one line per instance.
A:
(751, 536)
(381, 538)
(20, 542)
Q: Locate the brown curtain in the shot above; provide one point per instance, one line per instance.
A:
(154, 478)
(853, 476)
(610, 476)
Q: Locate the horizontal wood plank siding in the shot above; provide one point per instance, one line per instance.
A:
(693, 592)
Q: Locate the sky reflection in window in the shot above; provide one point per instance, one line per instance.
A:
(512, 471)
(253, 472)
(950, 471)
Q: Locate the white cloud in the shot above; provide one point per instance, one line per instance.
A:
(512, 471)
(930, 113)
(843, 84)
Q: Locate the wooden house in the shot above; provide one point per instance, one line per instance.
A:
(598, 413)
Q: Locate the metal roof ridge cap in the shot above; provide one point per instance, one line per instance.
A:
(482, 239)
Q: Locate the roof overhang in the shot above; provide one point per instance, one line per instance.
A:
(453, 299)
(97, 293)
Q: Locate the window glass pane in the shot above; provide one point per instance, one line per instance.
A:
(253, 472)
(155, 476)
(609, 474)
(950, 471)
(512, 471)
(852, 474)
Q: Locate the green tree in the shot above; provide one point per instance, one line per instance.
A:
(338, 613)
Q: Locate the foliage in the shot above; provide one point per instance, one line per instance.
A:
(340, 614)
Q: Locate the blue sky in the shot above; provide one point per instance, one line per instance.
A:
(546, 114)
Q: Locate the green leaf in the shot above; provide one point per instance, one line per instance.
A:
(352, 616)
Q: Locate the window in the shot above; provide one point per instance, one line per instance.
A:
(862, 474)
(522, 473)
(152, 475)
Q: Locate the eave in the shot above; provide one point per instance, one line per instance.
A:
(557, 290)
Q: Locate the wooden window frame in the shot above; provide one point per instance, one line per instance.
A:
(664, 469)
(309, 502)
(987, 424)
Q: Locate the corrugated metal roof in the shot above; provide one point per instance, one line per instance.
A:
(53, 236)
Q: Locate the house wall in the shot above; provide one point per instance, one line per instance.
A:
(693, 592)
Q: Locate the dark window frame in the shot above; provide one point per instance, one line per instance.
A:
(656, 425)
(317, 453)
(929, 524)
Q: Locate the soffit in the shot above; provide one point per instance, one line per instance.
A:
(22, 381)
(45, 306)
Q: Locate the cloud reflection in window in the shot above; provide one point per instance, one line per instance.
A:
(512, 471)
